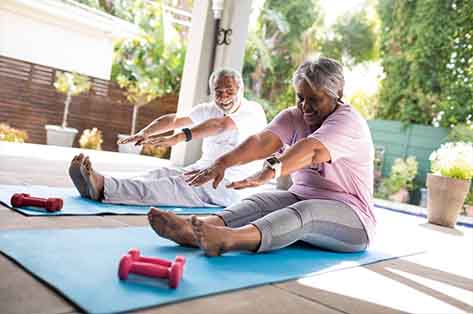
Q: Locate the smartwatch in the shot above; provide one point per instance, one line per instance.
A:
(273, 163)
(188, 133)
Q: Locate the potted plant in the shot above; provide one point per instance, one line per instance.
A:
(449, 182)
(70, 84)
(138, 94)
(396, 187)
(91, 139)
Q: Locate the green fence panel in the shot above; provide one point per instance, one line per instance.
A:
(400, 141)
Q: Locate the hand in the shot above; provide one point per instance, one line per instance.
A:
(215, 172)
(257, 179)
(162, 141)
(138, 138)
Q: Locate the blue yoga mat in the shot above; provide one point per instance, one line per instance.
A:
(76, 205)
(82, 264)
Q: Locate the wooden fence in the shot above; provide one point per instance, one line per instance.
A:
(29, 101)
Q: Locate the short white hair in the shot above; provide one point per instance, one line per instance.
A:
(322, 73)
(226, 72)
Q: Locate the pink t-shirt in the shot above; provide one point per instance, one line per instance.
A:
(348, 177)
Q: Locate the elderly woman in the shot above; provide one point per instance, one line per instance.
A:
(329, 155)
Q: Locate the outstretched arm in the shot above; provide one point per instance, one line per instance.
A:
(255, 147)
(207, 128)
(302, 154)
(160, 125)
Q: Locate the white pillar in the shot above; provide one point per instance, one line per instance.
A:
(193, 91)
(195, 75)
(236, 16)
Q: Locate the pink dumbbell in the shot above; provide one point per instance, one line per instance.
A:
(23, 199)
(152, 267)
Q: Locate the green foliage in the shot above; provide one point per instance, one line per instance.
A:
(71, 83)
(156, 151)
(147, 66)
(427, 55)
(9, 134)
(469, 198)
(91, 139)
(288, 33)
(402, 175)
(352, 39)
(461, 133)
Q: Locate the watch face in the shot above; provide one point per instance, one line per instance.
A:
(272, 161)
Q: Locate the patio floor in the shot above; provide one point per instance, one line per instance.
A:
(438, 281)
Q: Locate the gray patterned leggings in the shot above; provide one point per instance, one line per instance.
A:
(282, 218)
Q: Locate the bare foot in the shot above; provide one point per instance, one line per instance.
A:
(170, 226)
(93, 179)
(213, 240)
(76, 175)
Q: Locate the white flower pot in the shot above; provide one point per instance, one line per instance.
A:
(59, 136)
(129, 148)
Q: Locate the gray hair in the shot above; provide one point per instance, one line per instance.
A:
(226, 72)
(322, 73)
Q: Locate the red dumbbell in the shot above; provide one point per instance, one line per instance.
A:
(23, 199)
(136, 264)
(136, 257)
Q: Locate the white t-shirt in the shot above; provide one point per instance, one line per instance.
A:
(249, 119)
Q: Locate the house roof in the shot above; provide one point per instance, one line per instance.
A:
(72, 14)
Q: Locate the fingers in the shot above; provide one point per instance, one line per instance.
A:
(217, 180)
(203, 176)
(242, 184)
(189, 173)
(130, 139)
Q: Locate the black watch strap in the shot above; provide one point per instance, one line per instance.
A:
(188, 133)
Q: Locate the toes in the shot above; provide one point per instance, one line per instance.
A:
(153, 211)
(196, 222)
(80, 157)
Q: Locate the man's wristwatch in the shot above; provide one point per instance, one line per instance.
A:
(273, 163)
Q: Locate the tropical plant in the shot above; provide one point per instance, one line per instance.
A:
(353, 39)
(454, 160)
(290, 32)
(70, 84)
(9, 134)
(148, 66)
(91, 139)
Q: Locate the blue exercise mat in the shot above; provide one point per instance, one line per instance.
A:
(82, 264)
(76, 205)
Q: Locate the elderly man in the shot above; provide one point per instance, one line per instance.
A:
(223, 123)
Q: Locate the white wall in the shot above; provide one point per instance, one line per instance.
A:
(57, 35)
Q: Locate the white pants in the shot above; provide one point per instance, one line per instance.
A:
(166, 186)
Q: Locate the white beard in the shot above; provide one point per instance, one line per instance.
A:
(231, 105)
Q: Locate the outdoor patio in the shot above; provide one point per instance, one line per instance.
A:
(438, 280)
